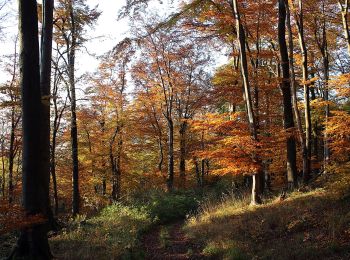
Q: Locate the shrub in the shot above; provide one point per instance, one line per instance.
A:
(172, 206)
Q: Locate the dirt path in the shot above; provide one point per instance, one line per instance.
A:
(169, 242)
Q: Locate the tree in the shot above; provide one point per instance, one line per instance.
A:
(307, 110)
(344, 8)
(286, 92)
(33, 241)
(257, 177)
(71, 19)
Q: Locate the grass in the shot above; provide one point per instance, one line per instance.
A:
(113, 234)
(164, 237)
(307, 225)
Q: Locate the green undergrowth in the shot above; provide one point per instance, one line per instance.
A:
(113, 234)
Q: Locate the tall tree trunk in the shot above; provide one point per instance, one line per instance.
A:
(286, 92)
(33, 241)
(315, 130)
(74, 126)
(308, 126)
(115, 162)
(161, 154)
(325, 59)
(11, 155)
(3, 184)
(294, 88)
(323, 48)
(344, 15)
(45, 87)
(256, 188)
(170, 177)
(198, 173)
(182, 166)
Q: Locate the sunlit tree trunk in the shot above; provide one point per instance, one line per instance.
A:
(307, 112)
(256, 188)
(344, 6)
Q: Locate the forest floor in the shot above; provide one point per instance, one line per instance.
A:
(310, 223)
(169, 242)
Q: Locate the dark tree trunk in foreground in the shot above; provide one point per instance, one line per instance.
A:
(257, 185)
(286, 93)
(33, 241)
(45, 84)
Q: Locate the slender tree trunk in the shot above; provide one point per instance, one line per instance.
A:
(182, 166)
(11, 155)
(294, 88)
(45, 87)
(326, 151)
(256, 189)
(115, 162)
(286, 93)
(74, 126)
(161, 154)
(308, 126)
(315, 130)
(3, 185)
(170, 177)
(198, 173)
(33, 241)
(323, 48)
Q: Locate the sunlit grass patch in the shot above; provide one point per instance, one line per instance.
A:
(112, 234)
(313, 224)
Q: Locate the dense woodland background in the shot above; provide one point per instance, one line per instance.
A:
(231, 114)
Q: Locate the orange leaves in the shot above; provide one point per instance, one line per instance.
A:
(13, 217)
(338, 130)
(230, 145)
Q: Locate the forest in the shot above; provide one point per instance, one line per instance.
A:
(207, 129)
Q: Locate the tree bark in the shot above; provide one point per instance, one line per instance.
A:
(11, 155)
(170, 177)
(308, 126)
(182, 166)
(74, 126)
(294, 88)
(286, 93)
(115, 162)
(344, 15)
(256, 188)
(33, 241)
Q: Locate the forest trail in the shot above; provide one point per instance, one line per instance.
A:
(169, 242)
